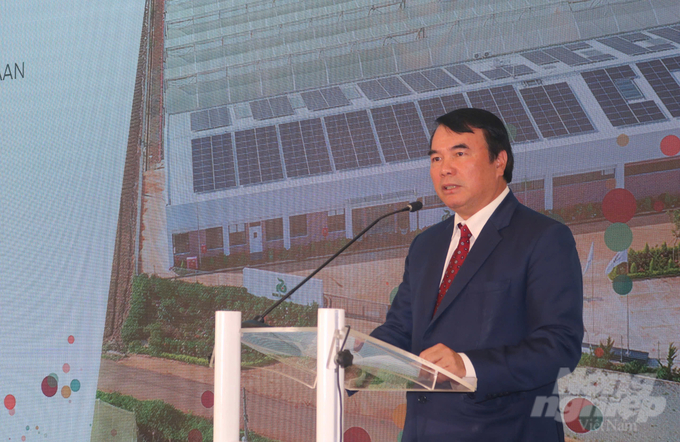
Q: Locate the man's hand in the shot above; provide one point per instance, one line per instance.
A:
(444, 357)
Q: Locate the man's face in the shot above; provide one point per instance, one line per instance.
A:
(461, 172)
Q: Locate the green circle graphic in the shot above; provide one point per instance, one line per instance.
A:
(622, 284)
(618, 237)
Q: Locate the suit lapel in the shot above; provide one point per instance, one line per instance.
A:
(488, 239)
(434, 269)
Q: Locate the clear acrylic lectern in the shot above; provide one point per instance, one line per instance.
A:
(307, 355)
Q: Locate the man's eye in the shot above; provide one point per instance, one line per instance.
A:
(435, 159)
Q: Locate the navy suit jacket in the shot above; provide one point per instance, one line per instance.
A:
(514, 308)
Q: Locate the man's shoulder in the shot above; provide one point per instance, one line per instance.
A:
(526, 222)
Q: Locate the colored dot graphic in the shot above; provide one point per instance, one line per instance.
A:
(75, 385)
(66, 368)
(619, 205)
(622, 140)
(71, 339)
(195, 436)
(622, 284)
(581, 416)
(49, 386)
(10, 402)
(208, 399)
(618, 237)
(66, 391)
(399, 416)
(356, 434)
(670, 145)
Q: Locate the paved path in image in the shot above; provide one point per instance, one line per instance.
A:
(286, 412)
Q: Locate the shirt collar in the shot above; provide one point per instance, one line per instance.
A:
(477, 221)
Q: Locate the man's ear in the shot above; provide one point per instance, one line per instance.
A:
(500, 162)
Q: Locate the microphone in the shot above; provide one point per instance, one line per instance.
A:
(258, 321)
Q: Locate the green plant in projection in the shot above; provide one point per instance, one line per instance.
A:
(178, 317)
(667, 371)
(139, 304)
(187, 359)
(634, 367)
(155, 332)
(605, 352)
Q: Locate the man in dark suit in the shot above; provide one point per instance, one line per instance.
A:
(512, 315)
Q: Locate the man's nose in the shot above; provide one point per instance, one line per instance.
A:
(448, 167)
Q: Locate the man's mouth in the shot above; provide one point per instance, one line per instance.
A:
(451, 187)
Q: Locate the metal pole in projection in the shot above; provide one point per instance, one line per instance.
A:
(328, 398)
(227, 376)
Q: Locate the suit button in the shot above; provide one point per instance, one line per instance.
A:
(422, 399)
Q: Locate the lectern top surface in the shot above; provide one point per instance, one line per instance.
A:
(376, 365)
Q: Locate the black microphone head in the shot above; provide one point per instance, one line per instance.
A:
(415, 206)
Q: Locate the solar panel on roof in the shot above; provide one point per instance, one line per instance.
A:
(504, 102)
(219, 117)
(223, 161)
(539, 57)
(400, 132)
(618, 110)
(257, 155)
(671, 63)
(200, 120)
(334, 97)
(352, 141)
(566, 56)
(433, 108)
(439, 78)
(496, 74)
(667, 33)
(324, 98)
(519, 70)
(201, 159)
(556, 110)
(622, 45)
(261, 109)
(314, 100)
(394, 86)
(635, 36)
(600, 57)
(281, 107)
(658, 74)
(373, 90)
(577, 46)
(268, 153)
(464, 74)
(304, 148)
(647, 111)
(660, 47)
(620, 72)
(418, 82)
(213, 163)
(271, 108)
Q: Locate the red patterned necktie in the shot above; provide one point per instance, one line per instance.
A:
(454, 264)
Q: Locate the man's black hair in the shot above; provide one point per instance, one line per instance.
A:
(495, 133)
